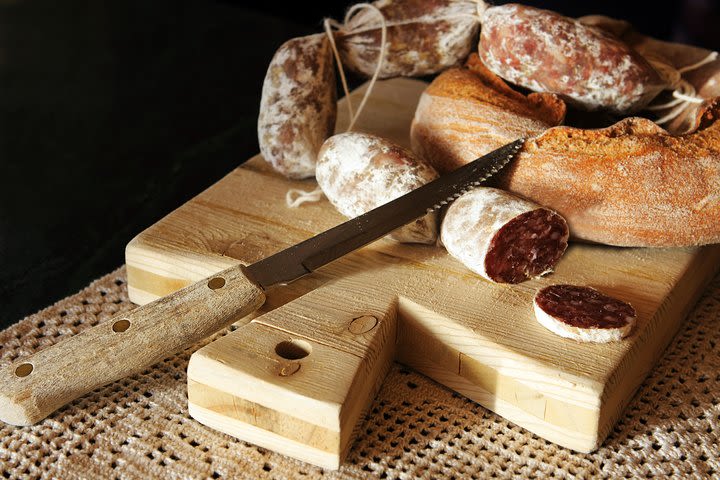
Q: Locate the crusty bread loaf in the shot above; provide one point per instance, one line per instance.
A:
(469, 112)
(631, 184)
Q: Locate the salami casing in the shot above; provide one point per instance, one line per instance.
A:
(360, 171)
(422, 37)
(583, 313)
(298, 105)
(547, 52)
(503, 237)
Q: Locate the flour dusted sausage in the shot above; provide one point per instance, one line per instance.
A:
(547, 52)
(583, 313)
(297, 108)
(422, 37)
(503, 237)
(360, 171)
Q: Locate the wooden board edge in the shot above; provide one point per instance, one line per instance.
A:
(624, 382)
(146, 285)
(570, 422)
(572, 439)
(264, 438)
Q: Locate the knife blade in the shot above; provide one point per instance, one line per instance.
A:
(33, 387)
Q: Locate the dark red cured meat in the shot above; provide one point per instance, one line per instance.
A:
(423, 37)
(297, 106)
(527, 246)
(584, 307)
(547, 52)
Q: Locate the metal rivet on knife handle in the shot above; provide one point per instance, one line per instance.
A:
(121, 325)
(24, 369)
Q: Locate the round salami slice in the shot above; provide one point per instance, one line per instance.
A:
(583, 313)
(503, 237)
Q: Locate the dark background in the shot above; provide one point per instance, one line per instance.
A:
(113, 113)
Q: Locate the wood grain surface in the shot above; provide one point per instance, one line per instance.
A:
(476, 337)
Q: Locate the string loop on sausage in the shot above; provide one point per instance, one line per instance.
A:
(684, 93)
(296, 197)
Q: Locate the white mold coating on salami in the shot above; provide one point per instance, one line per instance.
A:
(422, 37)
(359, 172)
(298, 105)
(502, 237)
(583, 313)
(546, 52)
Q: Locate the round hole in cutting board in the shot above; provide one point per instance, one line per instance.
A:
(121, 325)
(24, 369)
(216, 282)
(293, 349)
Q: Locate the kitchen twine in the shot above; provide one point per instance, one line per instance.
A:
(295, 196)
(684, 94)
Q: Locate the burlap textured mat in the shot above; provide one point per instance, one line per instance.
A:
(139, 427)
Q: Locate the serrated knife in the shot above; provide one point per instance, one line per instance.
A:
(31, 388)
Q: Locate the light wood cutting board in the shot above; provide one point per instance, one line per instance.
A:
(300, 375)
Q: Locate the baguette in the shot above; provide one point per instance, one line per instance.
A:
(466, 113)
(630, 184)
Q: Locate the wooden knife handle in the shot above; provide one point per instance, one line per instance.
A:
(34, 387)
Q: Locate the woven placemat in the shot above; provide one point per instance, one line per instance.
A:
(139, 427)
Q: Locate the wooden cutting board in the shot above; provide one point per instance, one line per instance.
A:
(298, 377)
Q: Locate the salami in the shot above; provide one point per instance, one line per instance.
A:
(360, 171)
(547, 52)
(583, 313)
(502, 237)
(298, 105)
(422, 37)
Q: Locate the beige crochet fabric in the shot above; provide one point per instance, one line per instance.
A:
(139, 427)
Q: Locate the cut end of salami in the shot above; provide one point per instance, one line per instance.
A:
(526, 247)
(583, 313)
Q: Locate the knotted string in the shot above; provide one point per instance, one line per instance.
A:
(296, 197)
(684, 93)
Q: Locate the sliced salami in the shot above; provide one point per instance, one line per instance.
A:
(583, 313)
(502, 237)
(547, 52)
(360, 171)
